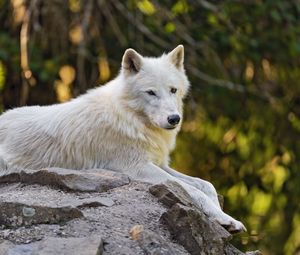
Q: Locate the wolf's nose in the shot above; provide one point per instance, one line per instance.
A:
(174, 119)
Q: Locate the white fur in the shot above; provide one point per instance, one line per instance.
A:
(118, 126)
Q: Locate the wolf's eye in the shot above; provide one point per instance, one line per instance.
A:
(151, 92)
(173, 90)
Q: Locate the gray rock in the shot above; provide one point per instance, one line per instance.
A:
(190, 227)
(94, 180)
(93, 202)
(14, 214)
(47, 197)
(196, 232)
(231, 250)
(41, 204)
(5, 247)
(150, 242)
(133, 205)
(9, 177)
(170, 193)
(110, 214)
(53, 246)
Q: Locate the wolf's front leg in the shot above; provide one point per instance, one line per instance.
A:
(155, 175)
(205, 186)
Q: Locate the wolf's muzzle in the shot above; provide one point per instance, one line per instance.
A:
(174, 119)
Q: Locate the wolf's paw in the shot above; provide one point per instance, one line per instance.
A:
(232, 226)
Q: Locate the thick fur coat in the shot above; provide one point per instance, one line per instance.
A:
(128, 125)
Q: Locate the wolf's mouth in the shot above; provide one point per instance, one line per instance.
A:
(170, 128)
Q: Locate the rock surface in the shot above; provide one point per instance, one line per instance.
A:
(18, 214)
(189, 226)
(54, 246)
(150, 242)
(43, 211)
(170, 193)
(97, 180)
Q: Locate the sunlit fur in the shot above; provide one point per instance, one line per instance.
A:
(114, 126)
(121, 126)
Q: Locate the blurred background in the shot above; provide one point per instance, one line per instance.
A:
(242, 123)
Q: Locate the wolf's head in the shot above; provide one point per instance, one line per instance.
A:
(155, 87)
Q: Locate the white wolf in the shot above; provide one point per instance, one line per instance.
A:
(128, 125)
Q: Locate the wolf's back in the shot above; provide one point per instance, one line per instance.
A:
(15, 128)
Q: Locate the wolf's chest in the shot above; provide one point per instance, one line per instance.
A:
(156, 157)
(158, 153)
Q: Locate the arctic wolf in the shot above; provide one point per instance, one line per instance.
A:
(128, 125)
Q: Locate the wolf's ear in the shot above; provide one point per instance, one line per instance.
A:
(132, 61)
(176, 56)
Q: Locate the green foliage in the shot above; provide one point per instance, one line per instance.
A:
(2, 75)
(242, 124)
(146, 7)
